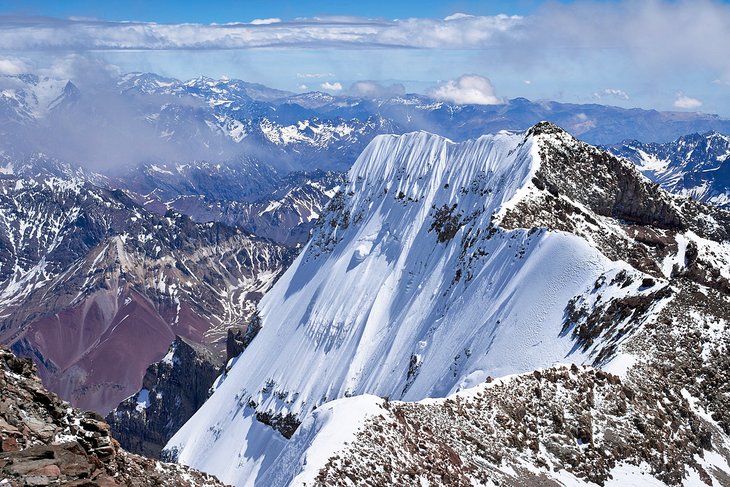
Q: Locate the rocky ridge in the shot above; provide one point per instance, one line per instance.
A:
(45, 441)
(667, 343)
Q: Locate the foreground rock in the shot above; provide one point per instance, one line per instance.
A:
(44, 441)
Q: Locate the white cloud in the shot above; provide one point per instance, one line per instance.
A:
(303, 87)
(376, 90)
(10, 66)
(685, 102)
(611, 93)
(21, 33)
(467, 89)
(272, 20)
(528, 82)
(336, 86)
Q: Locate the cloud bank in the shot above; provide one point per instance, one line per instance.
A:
(650, 33)
(23, 33)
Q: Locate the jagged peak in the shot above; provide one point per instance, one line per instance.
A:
(546, 128)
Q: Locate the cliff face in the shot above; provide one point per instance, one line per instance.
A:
(44, 441)
(172, 390)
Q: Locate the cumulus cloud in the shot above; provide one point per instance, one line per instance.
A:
(611, 93)
(686, 102)
(467, 89)
(373, 89)
(336, 86)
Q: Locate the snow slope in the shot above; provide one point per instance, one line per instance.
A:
(406, 290)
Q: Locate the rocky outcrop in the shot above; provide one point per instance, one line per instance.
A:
(573, 418)
(44, 441)
(172, 390)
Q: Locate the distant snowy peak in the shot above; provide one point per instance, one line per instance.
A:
(695, 165)
(212, 90)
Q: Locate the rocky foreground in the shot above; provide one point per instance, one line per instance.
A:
(44, 441)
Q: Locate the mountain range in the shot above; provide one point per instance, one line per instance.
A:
(693, 165)
(432, 285)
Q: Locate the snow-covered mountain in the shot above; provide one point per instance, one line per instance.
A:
(441, 265)
(95, 287)
(244, 194)
(694, 165)
(143, 117)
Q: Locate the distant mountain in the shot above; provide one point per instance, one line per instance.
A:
(142, 117)
(442, 265)
(696, 165)
(95, 287)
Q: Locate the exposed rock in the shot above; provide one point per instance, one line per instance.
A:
(44, 441)
(578, 419)
(172, 390)
(100, 281)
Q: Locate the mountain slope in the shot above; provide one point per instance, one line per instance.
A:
(694, 165)
(89, 280)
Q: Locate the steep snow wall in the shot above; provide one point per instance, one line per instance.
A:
(407, 290)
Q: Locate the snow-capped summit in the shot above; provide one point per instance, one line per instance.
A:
(440, 265)
(409, 288)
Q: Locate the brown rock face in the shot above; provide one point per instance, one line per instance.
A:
(44, 441)
(172, 391)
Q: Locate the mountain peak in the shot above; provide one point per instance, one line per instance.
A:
(546, 128)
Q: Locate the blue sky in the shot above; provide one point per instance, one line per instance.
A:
(664, 54)
(170, 11)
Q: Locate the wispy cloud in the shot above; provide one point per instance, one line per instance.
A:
(468, 88)
(611, 93)
(314, 75)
